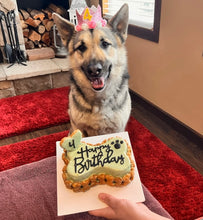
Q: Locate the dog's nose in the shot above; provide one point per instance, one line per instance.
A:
(94, 69)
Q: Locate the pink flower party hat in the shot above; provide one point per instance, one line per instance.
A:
(90, 18)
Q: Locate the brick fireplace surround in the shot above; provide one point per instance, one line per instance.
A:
(38, 75)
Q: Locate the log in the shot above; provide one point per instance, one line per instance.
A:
(23, 24)
(49, 25)
(25, 39)
(40, 53)
(25, 14)
(26, 32)
(21, 16)
(33, 36)
(59, 10)
(48, 13)
(32, 22)
(53, 7)
(45, 21)
(46, 38)
(37, 14)
(29, 45)
(41, 29)
(29, 10)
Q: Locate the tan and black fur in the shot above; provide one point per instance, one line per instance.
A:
(99, 100)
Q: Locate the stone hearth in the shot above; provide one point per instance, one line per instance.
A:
(36, 76)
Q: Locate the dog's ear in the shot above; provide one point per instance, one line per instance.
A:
(119, 22)
(65, 28)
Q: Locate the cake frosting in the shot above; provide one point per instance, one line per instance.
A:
(87, 165)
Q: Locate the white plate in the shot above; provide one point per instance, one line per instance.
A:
(69, 202)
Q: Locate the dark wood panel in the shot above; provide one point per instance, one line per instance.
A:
(35, 134)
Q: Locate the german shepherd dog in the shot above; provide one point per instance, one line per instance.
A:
(99, 100)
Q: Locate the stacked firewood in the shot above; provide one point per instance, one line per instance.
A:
(37, 25)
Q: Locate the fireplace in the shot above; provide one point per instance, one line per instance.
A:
(38, 27)
(32, 32)
(35, 26)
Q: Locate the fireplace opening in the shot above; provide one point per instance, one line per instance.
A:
(34, 27)
(41, 38)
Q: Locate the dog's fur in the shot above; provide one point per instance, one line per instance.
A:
(99, 100)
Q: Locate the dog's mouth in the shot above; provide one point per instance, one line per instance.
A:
(98, 83)
(97, 74)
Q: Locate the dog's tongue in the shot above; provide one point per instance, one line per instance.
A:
(97, 83)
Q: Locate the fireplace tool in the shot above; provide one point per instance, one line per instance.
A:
(1, 57)
(14, 40)
(8, 53)
(60, 50)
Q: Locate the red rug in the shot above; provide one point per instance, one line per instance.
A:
(29, 151)
(25, 113)
(177, 186)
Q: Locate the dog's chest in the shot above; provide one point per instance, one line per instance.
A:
(95, 109)
(105, 108)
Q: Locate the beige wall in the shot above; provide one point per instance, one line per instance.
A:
(170, 74)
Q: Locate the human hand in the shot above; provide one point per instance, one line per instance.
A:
(123, 209)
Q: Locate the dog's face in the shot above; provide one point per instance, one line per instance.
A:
(96, 54)
(93, 53)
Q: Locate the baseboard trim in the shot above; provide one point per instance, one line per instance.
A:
(179, 126)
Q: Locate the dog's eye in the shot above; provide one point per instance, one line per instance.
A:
(104, 44)
(82, 48)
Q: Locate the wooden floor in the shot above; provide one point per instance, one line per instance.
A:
(183, 143)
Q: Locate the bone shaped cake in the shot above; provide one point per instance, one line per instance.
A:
(87, 165)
